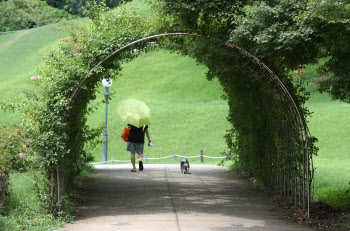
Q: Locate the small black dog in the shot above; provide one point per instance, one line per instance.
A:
(185, 166)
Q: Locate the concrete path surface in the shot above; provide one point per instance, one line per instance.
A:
(161, 198)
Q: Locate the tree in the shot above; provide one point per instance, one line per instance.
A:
(330, 19)
(271, 31)
(77, 6)
(22, 14)
(56, 3)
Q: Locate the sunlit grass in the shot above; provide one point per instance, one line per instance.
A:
(25, 213)
(330, 123)
(18, 54)
(18, 57)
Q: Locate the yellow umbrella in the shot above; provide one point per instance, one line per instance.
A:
(134, 112)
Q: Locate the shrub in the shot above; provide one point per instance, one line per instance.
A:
(23, 14)
(4, 175)
(13, 143)
(77, 6)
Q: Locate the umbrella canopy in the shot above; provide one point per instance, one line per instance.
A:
(134, 112)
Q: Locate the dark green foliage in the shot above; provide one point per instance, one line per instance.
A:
(56, 3)
(285, 34)
(330, 21)
(204, 17)
(270, 31)
(77, 6)
(267, 29)
(23, 14)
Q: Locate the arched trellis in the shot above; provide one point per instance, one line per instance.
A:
(296, 187)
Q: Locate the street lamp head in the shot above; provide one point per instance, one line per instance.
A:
(107, 82)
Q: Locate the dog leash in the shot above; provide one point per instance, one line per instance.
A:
(157, 149)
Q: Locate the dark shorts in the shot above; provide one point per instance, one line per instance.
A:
(134, 148)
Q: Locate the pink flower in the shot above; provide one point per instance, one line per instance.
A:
(36, 77)
(79, 48)
(22, 155)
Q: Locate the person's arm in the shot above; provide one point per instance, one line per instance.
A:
(147, 134)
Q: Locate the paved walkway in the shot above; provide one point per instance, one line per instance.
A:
(161, 198)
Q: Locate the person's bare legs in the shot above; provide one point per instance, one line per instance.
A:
(140, 161)
(133, 161)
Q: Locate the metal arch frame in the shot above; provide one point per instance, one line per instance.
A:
(272, 77)
(295, 117)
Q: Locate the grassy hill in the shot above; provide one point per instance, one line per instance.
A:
(189, 114)
(18, 54)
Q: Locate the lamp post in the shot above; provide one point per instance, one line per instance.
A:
(106, 83)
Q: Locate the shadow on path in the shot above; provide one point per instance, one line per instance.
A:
(161, 198)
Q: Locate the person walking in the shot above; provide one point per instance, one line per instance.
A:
(136, 144)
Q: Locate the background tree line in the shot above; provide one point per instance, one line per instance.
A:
(76, 6)
(23, 14)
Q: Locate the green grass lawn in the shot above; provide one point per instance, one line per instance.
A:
(330, 123)
(25, 214)
(188, 113)
(18, 54)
